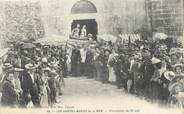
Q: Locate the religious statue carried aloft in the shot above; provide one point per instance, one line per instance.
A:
(80, 34)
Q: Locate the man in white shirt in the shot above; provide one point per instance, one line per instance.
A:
(30, 85)
(83, 59)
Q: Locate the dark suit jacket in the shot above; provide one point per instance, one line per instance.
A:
(29, 87)
(9, 96)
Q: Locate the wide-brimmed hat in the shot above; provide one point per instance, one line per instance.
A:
(7, 66)
(155, 60)
(169, 75)
(30, 66)
(44, 60)
(178, 65)
(18, 70)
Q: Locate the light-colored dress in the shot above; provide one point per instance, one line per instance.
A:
(68, 61)
(112, 76)
(83, 33)
(44, 97)
(75, 32)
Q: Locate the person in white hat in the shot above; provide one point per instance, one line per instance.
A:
(30, 85)
(5, 68)
(155, 79)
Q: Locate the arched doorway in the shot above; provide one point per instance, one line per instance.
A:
(85, 8)
(91, 26)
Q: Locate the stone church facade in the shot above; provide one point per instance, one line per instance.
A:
(58, 17)
(125, 15)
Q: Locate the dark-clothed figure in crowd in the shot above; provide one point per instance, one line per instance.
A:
(53, 87)
(62, 63)
(99, 56)
(117, 70)
(125, 71)
(105, 70)
(155, 80)
(75, 61)
(147, 71)
(9, 94)
(89, 63)
(30, 86)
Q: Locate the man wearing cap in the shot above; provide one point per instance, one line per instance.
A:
(30, 85)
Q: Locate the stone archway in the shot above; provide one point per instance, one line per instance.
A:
(83, 6)
(83, 12)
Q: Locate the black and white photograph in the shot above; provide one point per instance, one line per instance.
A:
(92, 56)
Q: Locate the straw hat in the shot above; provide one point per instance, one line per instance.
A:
(30, 66)
(178, 65)
(7, 66)
(18, 70)
(169, 75)
(155, 60)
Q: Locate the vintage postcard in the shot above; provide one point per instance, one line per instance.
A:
(92, 56)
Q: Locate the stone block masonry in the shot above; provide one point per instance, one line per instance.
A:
(167, 16)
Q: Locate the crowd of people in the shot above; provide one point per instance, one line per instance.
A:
(153, 70)
(33, 75)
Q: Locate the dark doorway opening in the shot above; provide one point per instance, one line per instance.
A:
(91, 26)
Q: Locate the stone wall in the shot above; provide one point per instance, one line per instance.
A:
(21, 20)
(166, 16)
(113, 16)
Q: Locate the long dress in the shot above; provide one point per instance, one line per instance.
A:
(112, 76)
(68, 61)
(83, 33)
(44, 98)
